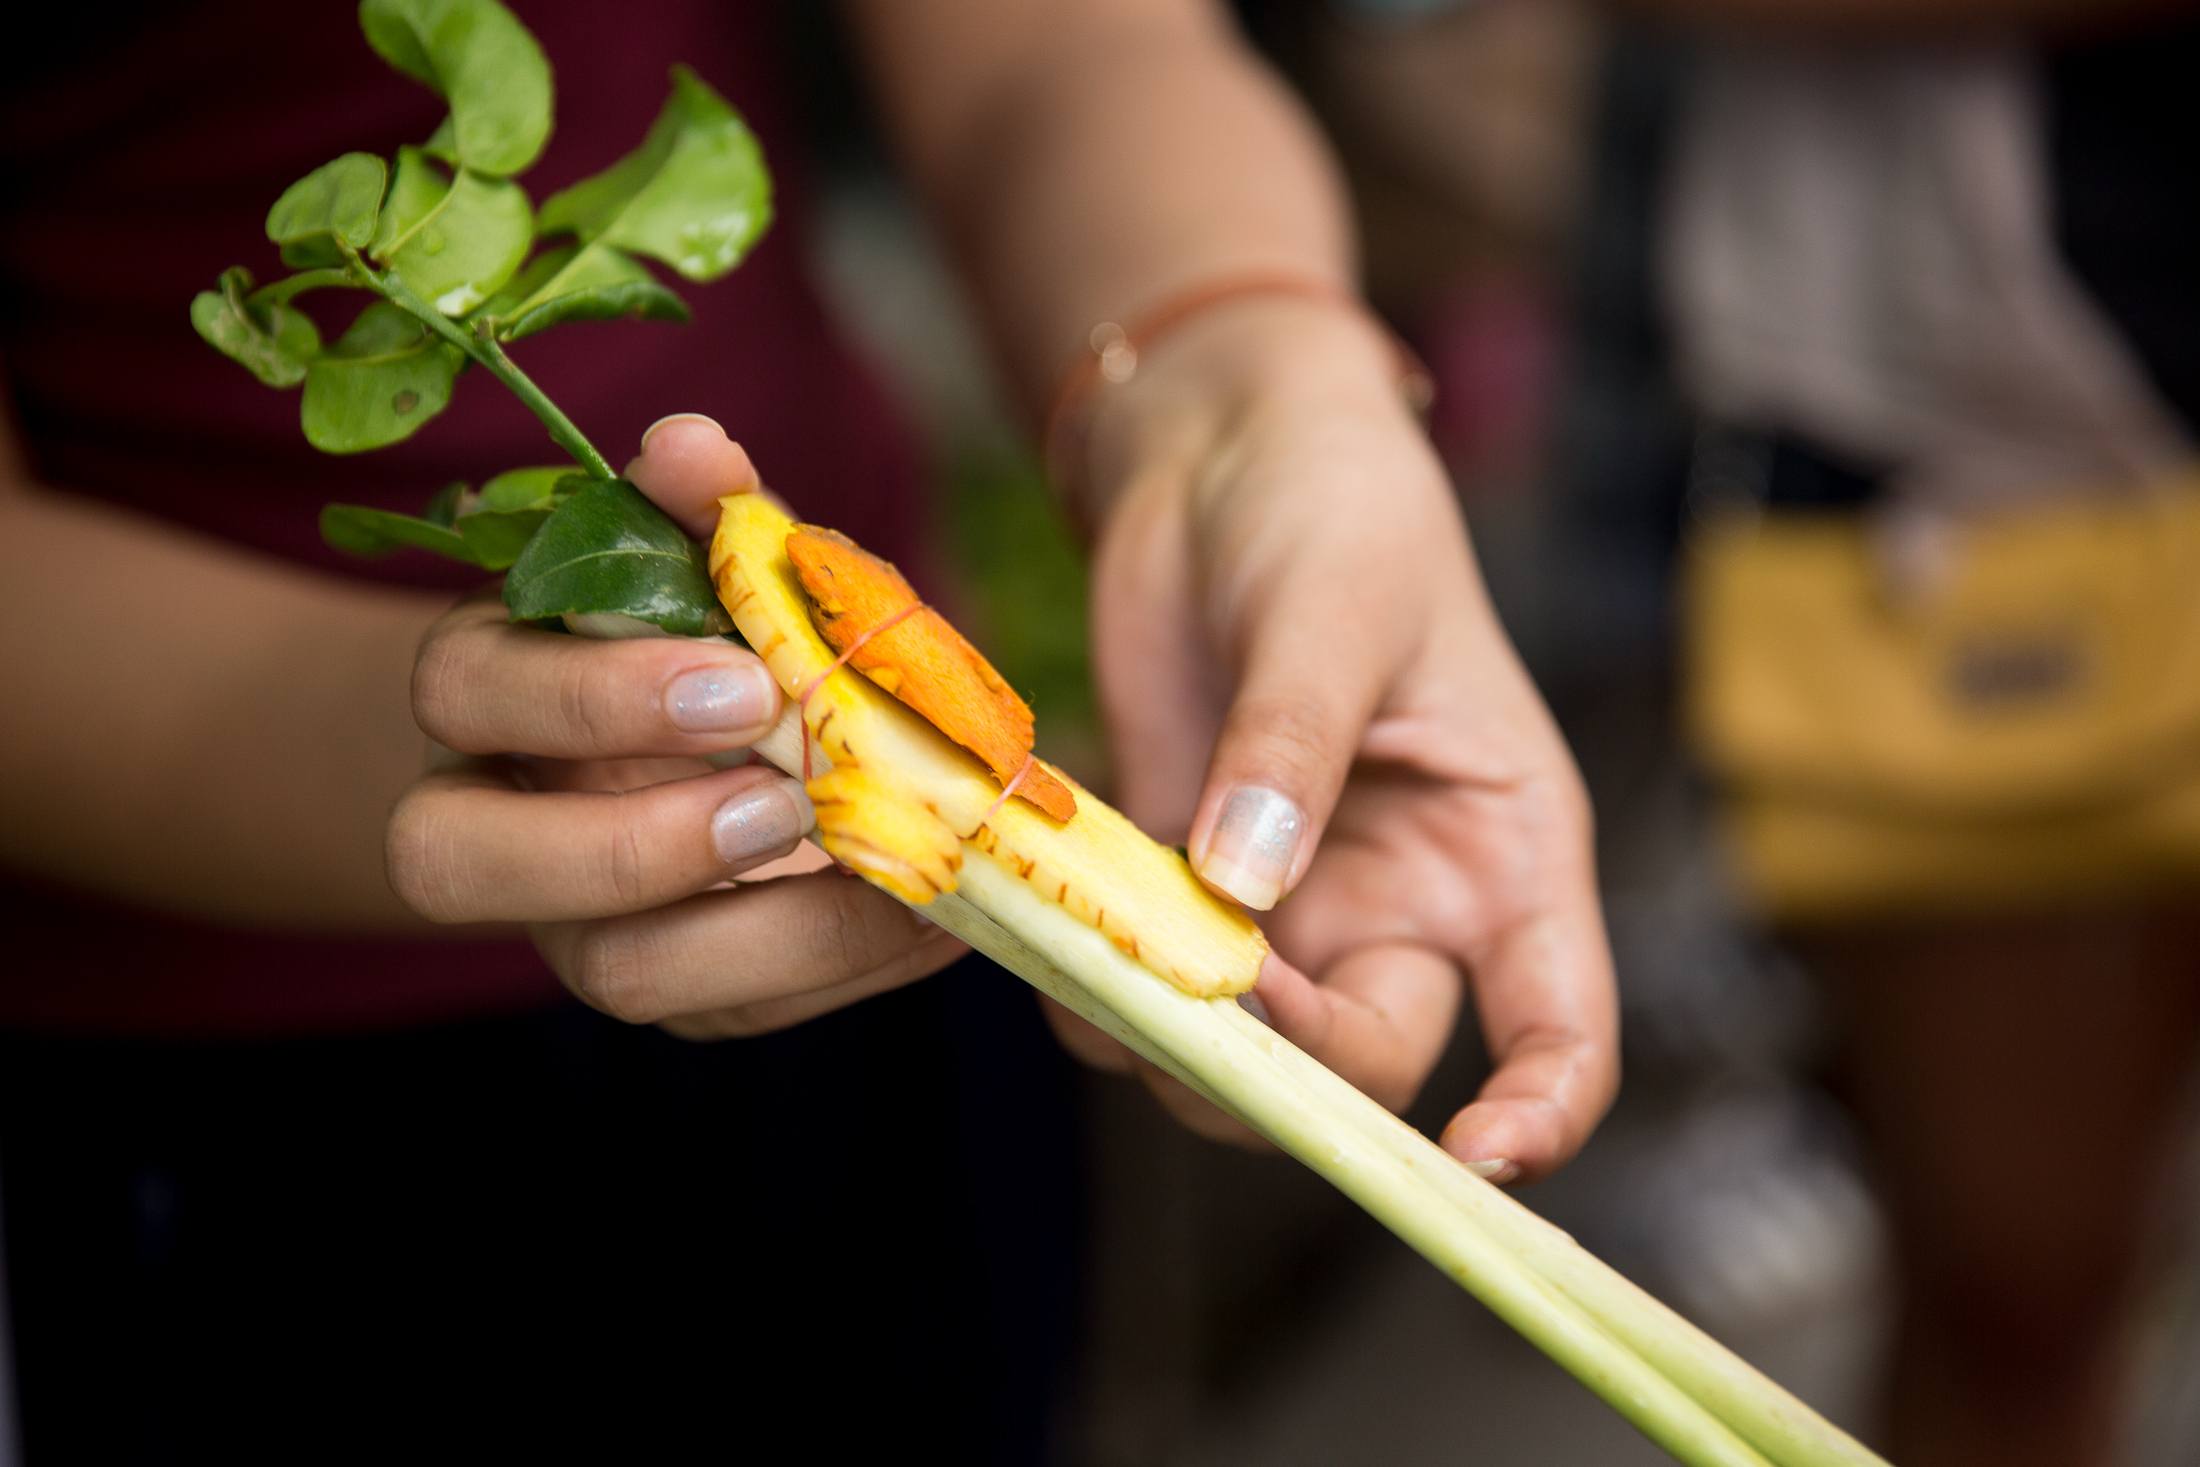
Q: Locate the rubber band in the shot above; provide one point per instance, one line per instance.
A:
(809, 689)
(1008, 791)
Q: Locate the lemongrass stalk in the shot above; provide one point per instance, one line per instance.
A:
(1767, 1416)
(1068, 959)
(1389, 1169)
(1673, 1382)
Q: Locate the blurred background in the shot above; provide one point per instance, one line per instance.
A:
(1508, 158)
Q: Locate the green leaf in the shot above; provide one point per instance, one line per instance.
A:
(497, 523)
(272, 342)
(481, 60)
(498, 539)
(526, 281)
(379, 382)
(358, 529)
(694, 195)
(336, 201)
(318, 253)
(519, 489)
(592, 283)
(608, 549)
(490, 541)
(282, 292)
(442, 144)
(453, 241)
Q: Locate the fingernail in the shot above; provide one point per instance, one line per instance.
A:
(677, 418)
(720, 699)
(1250, 1002)
(1250, 852)
(1496, 1169)
(761, 821)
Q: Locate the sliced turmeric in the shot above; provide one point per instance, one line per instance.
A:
(858, 600)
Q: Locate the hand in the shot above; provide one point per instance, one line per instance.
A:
(1299, 668)
(577, 801)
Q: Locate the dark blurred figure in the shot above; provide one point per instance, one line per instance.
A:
(1927, 272)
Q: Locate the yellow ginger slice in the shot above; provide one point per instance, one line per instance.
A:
(874, 830)
(1106, 871)
(861, 602)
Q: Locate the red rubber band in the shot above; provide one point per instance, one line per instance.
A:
(1008, 791)
(809, 689)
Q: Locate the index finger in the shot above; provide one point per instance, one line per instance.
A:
(1550, 1015)
(482, 685)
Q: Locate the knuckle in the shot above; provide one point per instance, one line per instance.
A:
(418, 858)
(582, 699)
(1294, 732)
(438, 685)
(611, 972)
(853, 931)
(625, 868)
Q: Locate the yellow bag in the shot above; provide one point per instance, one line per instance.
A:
(2027, 731)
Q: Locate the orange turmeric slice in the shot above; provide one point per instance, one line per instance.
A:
(858, 600)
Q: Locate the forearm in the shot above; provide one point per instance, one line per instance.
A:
(1089, 159)
(199, 729)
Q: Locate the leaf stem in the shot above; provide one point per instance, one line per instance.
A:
(486, 350)
(491, 354)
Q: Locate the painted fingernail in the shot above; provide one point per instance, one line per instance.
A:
(1250, 1002)
(649, 431)
(761, 821)
(1496, 1169)
(1250, 852)
(721, 699)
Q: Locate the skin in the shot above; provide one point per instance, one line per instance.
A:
(122, 772)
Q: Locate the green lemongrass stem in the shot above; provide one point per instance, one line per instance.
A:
(1226, 1055)
(1772, 1420)
(1191, 1038)
(484, 348)
(1676, 1384)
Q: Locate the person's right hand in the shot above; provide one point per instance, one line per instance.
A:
(575, 799)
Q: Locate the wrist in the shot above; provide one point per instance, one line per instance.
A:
(1222, 364)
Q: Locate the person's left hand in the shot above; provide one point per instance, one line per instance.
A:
(1300, 670)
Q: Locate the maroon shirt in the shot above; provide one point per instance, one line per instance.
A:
(140, 156)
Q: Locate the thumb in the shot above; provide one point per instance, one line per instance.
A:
(687, 464)
(1308, 686)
